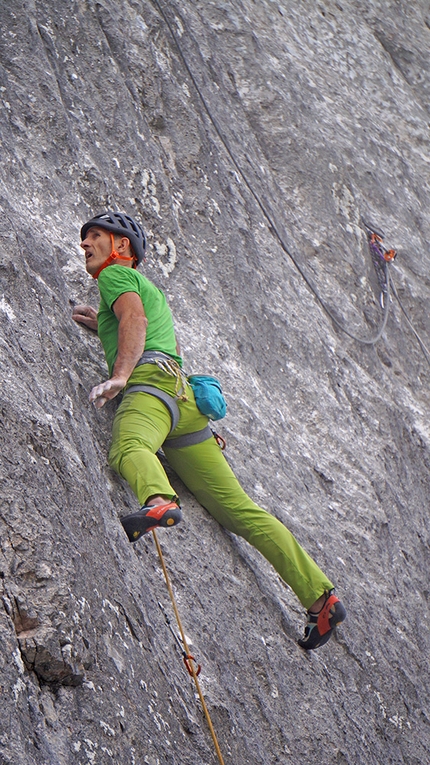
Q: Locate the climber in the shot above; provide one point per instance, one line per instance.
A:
(135, 326)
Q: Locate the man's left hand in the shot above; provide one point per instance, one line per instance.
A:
(107, 391)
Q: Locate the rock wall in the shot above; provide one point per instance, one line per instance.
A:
(251, 139)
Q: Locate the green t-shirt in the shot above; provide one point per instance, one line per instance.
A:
(113, 281)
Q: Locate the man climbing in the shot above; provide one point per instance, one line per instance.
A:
(158, 408)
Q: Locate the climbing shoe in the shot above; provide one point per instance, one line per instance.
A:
(149, 517)
(320, 626)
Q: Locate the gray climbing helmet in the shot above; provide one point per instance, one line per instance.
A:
(122, 224)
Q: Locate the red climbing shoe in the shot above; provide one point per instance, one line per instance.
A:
(320, 626)
(149, 517)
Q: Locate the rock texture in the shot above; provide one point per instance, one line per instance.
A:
(226, 127)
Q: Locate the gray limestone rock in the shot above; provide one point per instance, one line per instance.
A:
(251, 139)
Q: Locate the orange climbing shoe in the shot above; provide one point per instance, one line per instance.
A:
(320, 626)
(149, 517)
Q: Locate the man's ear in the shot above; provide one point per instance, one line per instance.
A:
(123, 245)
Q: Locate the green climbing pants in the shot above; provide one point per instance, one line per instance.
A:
(141, 426)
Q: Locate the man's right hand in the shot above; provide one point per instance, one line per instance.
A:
(107, 391)
(85, 314)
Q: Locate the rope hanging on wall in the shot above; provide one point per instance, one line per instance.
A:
(275, 228)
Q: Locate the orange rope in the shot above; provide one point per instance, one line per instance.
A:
(190, 660)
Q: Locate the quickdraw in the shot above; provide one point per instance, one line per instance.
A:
(381, 257)
(222, 443)
(187, 658)
(376, 240)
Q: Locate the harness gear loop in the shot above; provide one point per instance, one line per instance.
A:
(188, 658)
(170, 367)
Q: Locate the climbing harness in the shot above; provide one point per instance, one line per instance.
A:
(170, 367)
(189, 439)
(211, 403)
(168, 400)
(188, 659)
(274, 228)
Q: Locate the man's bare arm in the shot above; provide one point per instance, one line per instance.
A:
(132, 324)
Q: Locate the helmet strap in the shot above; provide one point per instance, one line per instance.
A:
(113, 256)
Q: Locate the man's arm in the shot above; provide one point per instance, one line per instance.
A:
(132, 324)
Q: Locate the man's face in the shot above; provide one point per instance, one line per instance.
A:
(98, 246)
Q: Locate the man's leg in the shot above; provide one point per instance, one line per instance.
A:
(206, 473)
(141, 424)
